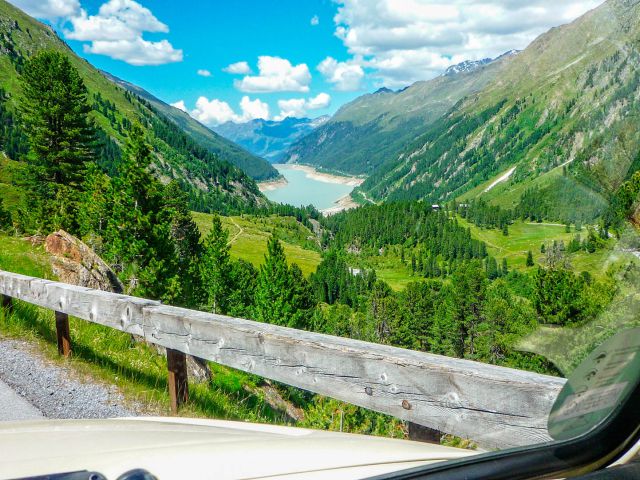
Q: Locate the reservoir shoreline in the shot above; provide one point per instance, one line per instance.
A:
(324, 177)
(302, 185)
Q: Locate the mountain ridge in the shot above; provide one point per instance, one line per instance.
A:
(563, 112)
(252, 165)
(364, 133)
(209, 181)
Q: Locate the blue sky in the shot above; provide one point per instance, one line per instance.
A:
(290, 57)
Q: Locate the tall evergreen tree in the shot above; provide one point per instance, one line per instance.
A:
(5, 217)
(138, 237)
(186, 242)
(215, 268)
(55, 112)
(283, 296)
(273, 291)
(530, 259)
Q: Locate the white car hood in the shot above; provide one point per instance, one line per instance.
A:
(176, 448)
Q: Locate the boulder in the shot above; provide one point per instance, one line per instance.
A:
(75, 263)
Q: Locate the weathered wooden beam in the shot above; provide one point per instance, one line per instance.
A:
(178, 379)
(496, 407)
(420, 433)
(63, 334)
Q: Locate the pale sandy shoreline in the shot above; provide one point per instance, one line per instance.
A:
(323, 177)
(343, 203)
(272, 184)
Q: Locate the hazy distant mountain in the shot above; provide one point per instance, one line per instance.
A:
(269, 139)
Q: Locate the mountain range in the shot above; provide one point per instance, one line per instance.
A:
(556, 123)
(253, 165)
(366, 132)
(269, 139)
(562, 116)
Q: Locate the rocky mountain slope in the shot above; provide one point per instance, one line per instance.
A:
(564, 112)
(366, 132)
(269, 139)
(209, 179)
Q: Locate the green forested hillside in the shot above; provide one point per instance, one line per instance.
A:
(366, 132)
(256, 167)
(564, 112)
(209, 179)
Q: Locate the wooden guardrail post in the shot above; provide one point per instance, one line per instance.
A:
(63, 333)
(7, 303)
(178, 382)
(420, 433)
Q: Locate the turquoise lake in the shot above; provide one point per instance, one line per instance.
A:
(302, 190)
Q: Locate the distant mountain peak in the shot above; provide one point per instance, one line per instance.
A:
(471, 65)
(466, 66)
(383, 90)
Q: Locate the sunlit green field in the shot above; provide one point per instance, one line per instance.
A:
(248, 237)
(525, 236)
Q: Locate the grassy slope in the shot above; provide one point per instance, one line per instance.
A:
(522, 238)
(249, 235)
(10, 194)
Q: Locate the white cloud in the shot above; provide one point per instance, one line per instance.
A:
(241, 68)
(322, 100)
(252, 109)
(345, 76)
(214, 112)
(408, 40)
(179, 105)
(117, 31)
(299, 107)
(204, 73)
(315, 20)
(137, 52)
(48, 9)
(276, 75)
(294, 107)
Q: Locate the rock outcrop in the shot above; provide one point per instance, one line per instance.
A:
(75, 263)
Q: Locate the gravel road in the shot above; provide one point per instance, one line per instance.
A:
(52, 389)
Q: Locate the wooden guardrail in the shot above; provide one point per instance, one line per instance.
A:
(496, 407)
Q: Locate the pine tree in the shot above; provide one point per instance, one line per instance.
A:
(505, 267)
(274, 288)
(55, 112)
(5, 217)
(530, 262)
(283, 296)
(215, 268)
(95, 203)
(138, 237)
(186, 241)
